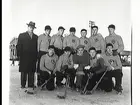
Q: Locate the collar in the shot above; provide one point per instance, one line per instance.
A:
(30, 33)
(94, 35)
(108, 54)
(112, 34)
(91, 58)
(49, 55)
(46, 34)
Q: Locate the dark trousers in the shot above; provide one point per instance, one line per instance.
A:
(117, 74)
(13, 62)
(92, 81)
(44, 75)
(38, 66)
(30, 77)
(61, 75)
(81, 81)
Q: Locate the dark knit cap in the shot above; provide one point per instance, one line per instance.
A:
(61, 28)
(47, 27)
(67, 49)
(111, 26)
(72, 29)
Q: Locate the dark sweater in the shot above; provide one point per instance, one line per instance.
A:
(99, 67)
(81, 60)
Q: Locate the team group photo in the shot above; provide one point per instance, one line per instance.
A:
(77, 60)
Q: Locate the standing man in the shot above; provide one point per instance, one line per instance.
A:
(97, 40)
(71, 40)
(115, 40)
(84, 40)
(27, 53)
(57, 41)
(43, 43)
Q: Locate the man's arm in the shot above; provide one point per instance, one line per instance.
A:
(42, 65)
(52, 41)
(65, 42)
(119, 64)
(58, 64)
(71, 61)
(100, 66)
(19, 46)
(78, 42)
(38, 43)
(102, 44)
(121, 45)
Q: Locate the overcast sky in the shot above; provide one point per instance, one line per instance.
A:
(70, 13)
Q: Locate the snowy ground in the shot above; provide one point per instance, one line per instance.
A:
(19, 97)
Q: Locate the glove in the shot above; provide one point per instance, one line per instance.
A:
(90, 75)
(115, 53)
(64, 68)
(52, 75)
(87, 67)
(112, 68)
(76, 66)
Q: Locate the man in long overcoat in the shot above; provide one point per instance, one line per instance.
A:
(27, 53)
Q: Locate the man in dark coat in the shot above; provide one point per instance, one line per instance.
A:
(27, 53)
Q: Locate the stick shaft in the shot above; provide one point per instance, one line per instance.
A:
(94, 88)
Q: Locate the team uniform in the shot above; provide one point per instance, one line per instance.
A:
(85, 41)
(65, 65)
(57, 41)
(47, 63)
(116, 41)
(98, 42)
(115, 62)
(71, 41)
(82, 61)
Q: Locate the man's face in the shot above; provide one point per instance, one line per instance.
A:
(61, 31)
(83, 33)
(109, 49)
(92, 53)
(67, 53)
(111, 30)
(80, 51)
(51, 51)
(72, 33)
(30, 28)
(47, 31)
(94, 31)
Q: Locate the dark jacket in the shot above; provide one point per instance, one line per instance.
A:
(27, 52)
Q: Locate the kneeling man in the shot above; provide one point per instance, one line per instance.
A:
(47, 66)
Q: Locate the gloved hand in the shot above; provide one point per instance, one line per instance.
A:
(87, 67)
(76, 66)
(90, 75)
(115, 53)
(52, 75)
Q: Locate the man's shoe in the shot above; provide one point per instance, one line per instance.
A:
(30, 91)
(22, 87)
(88, 93)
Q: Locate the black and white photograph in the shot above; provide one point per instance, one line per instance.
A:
(69, 52)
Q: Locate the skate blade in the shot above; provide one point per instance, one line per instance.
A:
(61, 97)
(118, 93)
